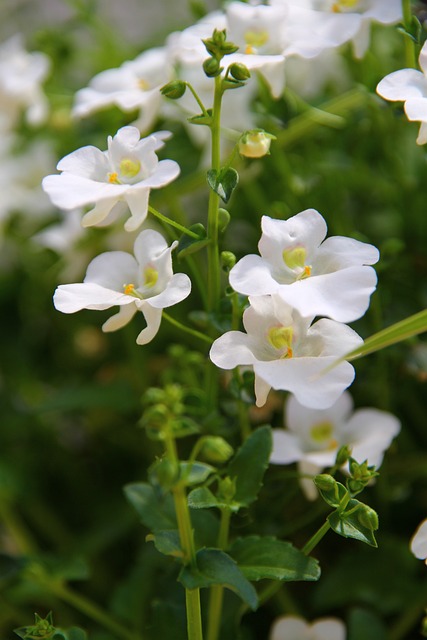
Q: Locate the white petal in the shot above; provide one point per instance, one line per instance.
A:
(120, 319)
(343, 295)
(370, 432)
(137, 200)
(261, 389)
(307, 485)
(361, 39)
(177, 289)
(87, 162)
(286, 447)
(305, 378)
(289, 628)
(423, 57)
(153, 318)
(99, 213)
(329, 629)
(166, 171)
(231, 350)
(300, 419)
(329, 338)
(69, 191)
(113, 270)
(402, 85)
(418, 544)
(338, 252)
(416, 109)
(149, 245)
(252, 276)
(422, 134)
(70, 298)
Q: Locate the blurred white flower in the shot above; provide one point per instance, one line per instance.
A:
(295, 628)
(143, 283)
(21, 76)
(316, 276)
(409, 86)
(418, 544)
(287, 352)
(134, 85)
(312, 438)
(126, 172)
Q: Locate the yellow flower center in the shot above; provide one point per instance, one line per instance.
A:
(129, 290)
(295, 259)
(322, 433)
(113, 178)
(254, 40)
(281, 339)
(143, 84)
(337, 7)
(129, 168)
(151, 276)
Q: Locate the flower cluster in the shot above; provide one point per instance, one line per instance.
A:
(296, 278)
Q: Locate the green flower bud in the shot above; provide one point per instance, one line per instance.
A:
(343, 455)
(368, 518)
(216, 449)
(212, 67)
(228, 260)
(227, 489)
(223, 219)
(324, 482)
(239, 71)
(164, 472)
(174, 90)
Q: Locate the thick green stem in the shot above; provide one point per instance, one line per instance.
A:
(217, 592)
(192, 596)
(410, 56)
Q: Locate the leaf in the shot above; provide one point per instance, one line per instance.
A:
(249, 465)
(188, 245)
(155, 509)
(223, 182)
(167, 542)
(214, 567)
(350, 525)
(73, 633)
(202, 118)
(266, 557)
(195, 472)
(332, 494)
(203, 498)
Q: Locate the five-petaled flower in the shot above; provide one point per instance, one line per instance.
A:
(409, 86)
(287, 352)
(329, 278)
(313, 437)
(143, 283)
(124, 173)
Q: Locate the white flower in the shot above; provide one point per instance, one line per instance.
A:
(21, 76)
(339, 21)
(313, 437)
(134, 85)
(126, 172)
(327, 278)
(295, 628)
(287, 353)
(143, 283)
(418, 543)
(409, 86)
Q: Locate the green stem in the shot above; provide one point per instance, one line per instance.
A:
(172, 223)
(90, 609)
(197, 99)
(314, 540)
(217, 591)
(192, 596)
(182, 327)
(410, 55)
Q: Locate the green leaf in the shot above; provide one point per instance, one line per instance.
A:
(266, 557)
(188, 245)
(331, 491)
(73, 633)
(249, 465)
(214, 567)
(202, 118)
(412, 326)
(167, 542)
(203, 498)
(195, 472)
(351, 523)
(155, 509)
(223, 182)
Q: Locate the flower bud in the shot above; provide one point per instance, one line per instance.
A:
(216, 449)
(368, 518)
(255, 144)
(239, 71)
(324, 482)
(343, 455)
(228, 260)
(227, 489)
(223, 219)
(174, 89)
(212, 67)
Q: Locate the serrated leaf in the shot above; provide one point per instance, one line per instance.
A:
(348, 525)
(195, 472)
(249, 465)
(214, 567)
(155, 509)
(333, 495)
(167, 542)
(203, 498)
(188, 245)
(223, 182)
(266, 557)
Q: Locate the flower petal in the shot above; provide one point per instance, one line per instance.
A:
(120, 319)
(70, 298)
(402, 85)
(153, 319)
(418, 544)
(113, 270)
(137, 201)
(177, 289)
(328, 629)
